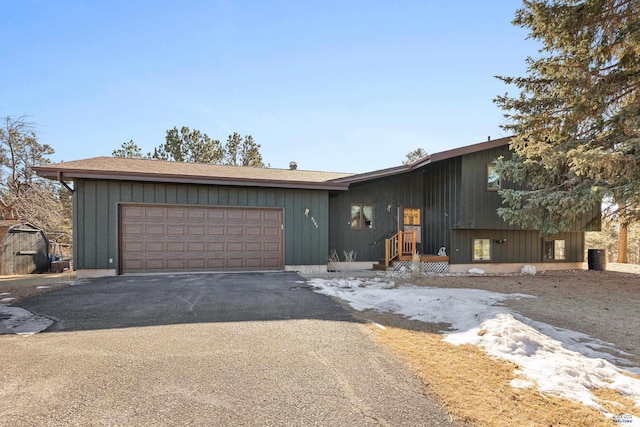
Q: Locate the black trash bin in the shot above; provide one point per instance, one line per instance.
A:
(597, 259)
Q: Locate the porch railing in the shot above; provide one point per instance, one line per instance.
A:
(401, 243)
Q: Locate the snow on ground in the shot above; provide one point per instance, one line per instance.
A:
(16, 320)
(556, 360)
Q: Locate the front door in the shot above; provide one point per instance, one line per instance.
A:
(412, 220)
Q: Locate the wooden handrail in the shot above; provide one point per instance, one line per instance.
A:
(401, 243)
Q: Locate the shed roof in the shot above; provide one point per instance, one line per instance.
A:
(117, 168)
(6, 225)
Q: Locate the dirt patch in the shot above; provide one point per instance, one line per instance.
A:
(16, 288)
(475, 388)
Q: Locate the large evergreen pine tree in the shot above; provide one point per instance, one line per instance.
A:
(576, 119)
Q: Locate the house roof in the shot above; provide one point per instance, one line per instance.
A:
(117, 168)
(426, 160)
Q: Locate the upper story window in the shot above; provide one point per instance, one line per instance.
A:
(361, 216)
(494, 182)
(554, 250)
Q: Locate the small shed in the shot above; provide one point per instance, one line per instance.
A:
(24, 248)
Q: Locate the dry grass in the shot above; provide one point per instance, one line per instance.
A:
(475, 388)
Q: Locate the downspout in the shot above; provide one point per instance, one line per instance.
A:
(64, 183)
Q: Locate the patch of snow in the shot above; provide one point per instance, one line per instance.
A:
(556, 360)
(528, 269)
(4, 293)
(478, 271)
(43, 287)
(16, 320)
(6, 300)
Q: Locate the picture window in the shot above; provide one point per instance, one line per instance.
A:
(361, 216)
(554, 250)
(482, 249)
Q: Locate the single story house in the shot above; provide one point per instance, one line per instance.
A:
(146, 216)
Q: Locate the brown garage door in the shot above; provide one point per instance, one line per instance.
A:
(159, 238)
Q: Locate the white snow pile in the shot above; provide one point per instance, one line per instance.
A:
(528, 269)
(16, 320)
(557, 361)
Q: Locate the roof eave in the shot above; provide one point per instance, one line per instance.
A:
(183, 179)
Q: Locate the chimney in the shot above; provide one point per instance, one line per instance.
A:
(293, 166)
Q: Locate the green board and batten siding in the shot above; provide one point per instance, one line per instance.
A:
(96, 230)
(457, 208)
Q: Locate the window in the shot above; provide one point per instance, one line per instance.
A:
(493, 177)
(361, 216)
(554, 250)
(412, 216)
(482, 249)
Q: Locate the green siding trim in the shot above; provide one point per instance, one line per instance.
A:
(95, 215)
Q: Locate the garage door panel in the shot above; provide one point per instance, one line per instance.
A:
(155, 264)
(195, 213)
(254, 263)
(235, 215)
(154, 213)
(253, 247)
(253, 231)
(175, 230)
(133, 230)
(215, 263)
(176, 264)
(235, 230)
(194, 238)
(132, 247)
(155, 247)
(235, 247)
(216, 214)
(198, 247)
(175, 246)
(176, 213)
(196, 263)
(272, 216)
(237, 262)
(255, 215)
(272, 246)
(213, 247)
(154, 230)
(215, 230)
(196, 230)
(271, 262)
(272, 231)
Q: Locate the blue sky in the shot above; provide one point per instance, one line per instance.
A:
(347, 86)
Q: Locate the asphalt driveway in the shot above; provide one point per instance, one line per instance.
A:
(130, 301)
(204, 350)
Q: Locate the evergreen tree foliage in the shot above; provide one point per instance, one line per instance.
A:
(414, 155)
(192, 146)
(129, 150)
(576, 119)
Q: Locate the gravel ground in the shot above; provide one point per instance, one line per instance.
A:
(278, 373)
(268, 373)
(274, 373)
